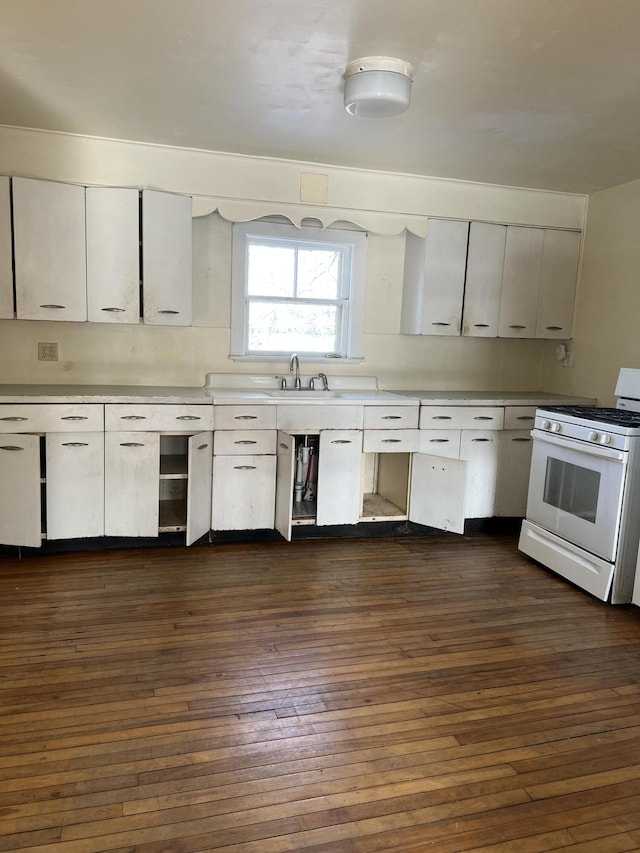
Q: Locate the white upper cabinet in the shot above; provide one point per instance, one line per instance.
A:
(558, 275)
(50, 250)
(434, 273)
(113, 255)
(6, 252)
(166, 258)
(520, 282)
(483, 288)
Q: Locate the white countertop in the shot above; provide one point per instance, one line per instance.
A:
(495, 398)
(101, 394)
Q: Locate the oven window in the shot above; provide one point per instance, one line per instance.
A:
(572, 488)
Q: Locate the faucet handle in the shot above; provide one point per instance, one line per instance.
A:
(325, 381)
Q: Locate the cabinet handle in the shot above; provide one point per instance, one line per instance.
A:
(440, 440)
(481, 325)
(520, 439)
(53, 306)
(244, 467)
(515, 326)
(11, 447)
(554, 328)
(75, 444)
(14, 418)
(245, 441)
(188, 417)
(133, 417)
(74, 418)
(480, 439)
(131, 444)
(441, 418)
(113, 310)
(391, 417)
(284, 446)
(341, 441)
(245, 417)
(441, 324)
(391, 440)
(203, 446)
(483, 418)
(167, 311)
(525, 418)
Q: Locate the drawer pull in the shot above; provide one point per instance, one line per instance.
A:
(167, 311)
(284, 446)
(441, 418)
(53, 306)
(440, 440)
(203, 446)
(245, 417)
(131, 444)
(74, 418)
(483, 418)
(14, 418)
(554, 328)
(245, 441)
(391, 440)
(188, 417)
(516, 326)
(441, 324)
(525, 418)
(113, 310)
(75, 444)
(133, 417)
(520, 439)
(244, 467)
(341, 441)
(391, 417)
(480, 325)
(480, 439)
(11, 447)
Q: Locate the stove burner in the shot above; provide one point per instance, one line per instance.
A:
(592, 413)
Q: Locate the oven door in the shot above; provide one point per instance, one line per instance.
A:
(576, 490)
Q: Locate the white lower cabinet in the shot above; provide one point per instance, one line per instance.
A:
(20, 500)
(438, 487)
(320, 484)
(74, 485)
(479, 449)
(244, 479)
(513, 473)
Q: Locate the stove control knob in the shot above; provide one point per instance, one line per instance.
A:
(593, 436)
(545, 424)
(556, 427)
(605, 439)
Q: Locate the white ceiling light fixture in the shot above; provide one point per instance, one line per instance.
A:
(377, 86)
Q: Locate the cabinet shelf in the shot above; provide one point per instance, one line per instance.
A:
(173, 467)
(377, 508)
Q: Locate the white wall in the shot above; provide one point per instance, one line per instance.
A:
(606, 335)
(94, 353)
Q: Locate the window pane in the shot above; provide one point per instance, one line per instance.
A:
(286, 327)
(270, 270)
(318, 273)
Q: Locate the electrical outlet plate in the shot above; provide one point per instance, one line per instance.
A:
(47, 351)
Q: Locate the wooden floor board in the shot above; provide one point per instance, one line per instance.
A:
(325, 696)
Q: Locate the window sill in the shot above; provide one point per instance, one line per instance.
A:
(307, 359)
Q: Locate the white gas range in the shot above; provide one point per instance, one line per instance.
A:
(583, 507)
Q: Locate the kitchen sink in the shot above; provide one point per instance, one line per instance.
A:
(303, 394)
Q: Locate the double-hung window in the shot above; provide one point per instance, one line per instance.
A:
(297, 290)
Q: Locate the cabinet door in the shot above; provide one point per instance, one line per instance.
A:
(558, 275)
(200, 468)
(20, 507)
(479, 448)
(113, 255)
(166, 258)
(132, 490)
(513, 473)
(50, 250)
(483, 287)
(285, 475)
(244, 493)
(339, 473)
(520, 282)
(434, 275)
(75, 484)
(6, 252)
(437, 492)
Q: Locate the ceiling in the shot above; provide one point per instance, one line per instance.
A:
(535, 93)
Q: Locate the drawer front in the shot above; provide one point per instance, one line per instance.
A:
(391, 417)
(153, 417)
(238, 442)
(314, 418)
(390, 441)
(51, 417)
(245, 417)
(461, 417)
(519, 417)
(440, 442)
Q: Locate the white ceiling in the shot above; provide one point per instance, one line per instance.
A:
(536, 93)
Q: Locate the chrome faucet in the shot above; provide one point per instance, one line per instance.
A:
(323, 378)
(294, 364)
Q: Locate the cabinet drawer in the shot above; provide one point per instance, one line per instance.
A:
(519, 417)
(51, 417)
(153, 417)
(245, 417)
(391, 417)
(461, 417)
(390, 441)
(314, 418)
(440, 442)
(238, 442)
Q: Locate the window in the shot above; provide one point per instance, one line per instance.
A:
(296, 290)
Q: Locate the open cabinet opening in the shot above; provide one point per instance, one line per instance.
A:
(174, 468)
(385, 486)
(305, 486)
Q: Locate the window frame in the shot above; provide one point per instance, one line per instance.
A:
(350, 300)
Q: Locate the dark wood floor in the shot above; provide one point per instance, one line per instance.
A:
(422, 694)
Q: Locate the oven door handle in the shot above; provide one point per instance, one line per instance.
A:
(596, 450)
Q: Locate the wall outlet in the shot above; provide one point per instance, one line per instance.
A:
(47, 351)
